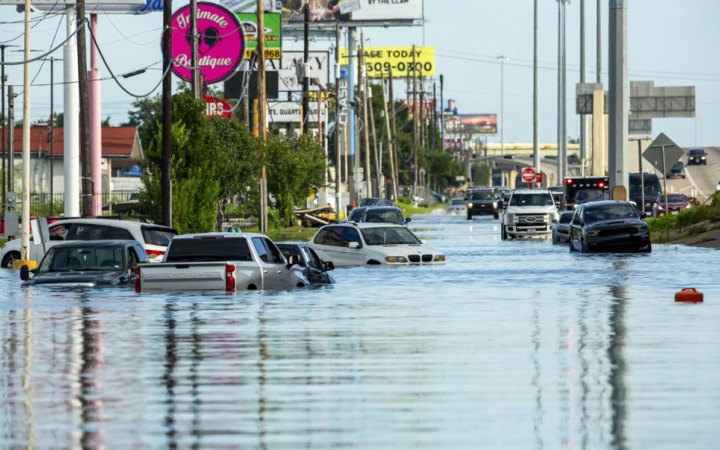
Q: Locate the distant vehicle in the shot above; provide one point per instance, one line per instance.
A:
(482, 203)
(508, 156)
(530, 212)
(561, 230)
(351, 244)
(315, 269)
(608, 226)
(675, 203)
(652, 190)
(677, 171)
(697, 156)
(550, 157)
(457, 206)
(579, 190)
(374, 201)
(87, 264)
(378, 214)
(573, 159)
(221, 262)
(154, 238)
(439, 197)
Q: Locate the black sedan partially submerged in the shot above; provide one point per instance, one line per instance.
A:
(609, 226)
(315, 269)
(87, 264)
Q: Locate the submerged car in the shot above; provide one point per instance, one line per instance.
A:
(561, 230)
(675, 204)
(315, 269)
(359, 244)
(87, 264)
(378, 214)
(457, 206)
(609, 226)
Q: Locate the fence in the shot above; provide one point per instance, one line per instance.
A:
(115, 203)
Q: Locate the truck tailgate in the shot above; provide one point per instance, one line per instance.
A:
(183, 276)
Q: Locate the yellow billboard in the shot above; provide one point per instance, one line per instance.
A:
(379, 61)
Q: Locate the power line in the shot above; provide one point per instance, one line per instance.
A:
(37, 58)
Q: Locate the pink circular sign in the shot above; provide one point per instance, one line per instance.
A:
(221, 43)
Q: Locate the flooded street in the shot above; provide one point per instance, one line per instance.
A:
(516, 344)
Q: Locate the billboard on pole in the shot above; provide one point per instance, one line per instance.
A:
(342, 10)
(379, 61)
(273, 34)
(290, 112)
(472, 124)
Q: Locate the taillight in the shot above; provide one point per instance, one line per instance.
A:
(138, 283)
(155, 253)
(230, 277)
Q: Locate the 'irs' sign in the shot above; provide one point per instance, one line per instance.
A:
(217, 107)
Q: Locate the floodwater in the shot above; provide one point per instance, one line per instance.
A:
(509, 345)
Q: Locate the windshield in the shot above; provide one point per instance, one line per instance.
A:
(211, 249)
(673, 198)
(389, 236)
(696, 152)
(652, 186)
(610, 212)
(531, 200)
(70, 259)
(589, 195)
(457, 201)
(384, 216)
(482, 196)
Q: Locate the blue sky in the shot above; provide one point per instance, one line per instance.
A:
(670, 42)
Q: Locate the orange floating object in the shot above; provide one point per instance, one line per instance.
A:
(689, 295)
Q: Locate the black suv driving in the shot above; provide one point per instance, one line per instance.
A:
(696, 157)
(482, 203)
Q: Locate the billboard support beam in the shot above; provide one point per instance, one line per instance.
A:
(306, 79)
(618, 95)
(71, 138)
(354, 173)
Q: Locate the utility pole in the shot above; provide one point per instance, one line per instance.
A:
(362, 83)
(618, 98)
(262, 103)
(25, 242)
(583, 72)
(306, 79)
(4, 118)
(390, 140)
(338, 137)
(165, 170)
(376, 154)
(435, 115)
(71, 127)
(196, 83)
(52, 134)
(87, 184)
(442, 112)
(416, 124)
(394, 153)
(598, 56)
(502, 59)
(11, 139)
(536, 93)
(95, 122)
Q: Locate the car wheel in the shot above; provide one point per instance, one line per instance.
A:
(9, 258)
(554, 239)
(648, 249)
(496, 215)
(503, 233)
(469, 216)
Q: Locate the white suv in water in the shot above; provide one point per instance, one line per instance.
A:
(529, 212)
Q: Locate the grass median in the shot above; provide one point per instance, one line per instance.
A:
(696, 225)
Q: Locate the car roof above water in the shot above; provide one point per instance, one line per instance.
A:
(99, 244)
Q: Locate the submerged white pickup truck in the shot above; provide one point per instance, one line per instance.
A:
(220, 261)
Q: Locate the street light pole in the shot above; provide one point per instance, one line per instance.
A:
(502, 59)
(583, 71)
(25, 242)
(536, 93)
(562, 88)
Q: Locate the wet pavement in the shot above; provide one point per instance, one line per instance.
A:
(509, 345)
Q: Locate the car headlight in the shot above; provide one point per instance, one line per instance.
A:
(439, 258)
(494, 204)
(469, 205)
(396, 259)
(592, 233)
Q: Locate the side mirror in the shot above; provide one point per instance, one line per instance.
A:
(328, 266)
(408, 219)
(292, 260)
(24, 273)
(354, 245)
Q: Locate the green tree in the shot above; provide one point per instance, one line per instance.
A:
(146, 110)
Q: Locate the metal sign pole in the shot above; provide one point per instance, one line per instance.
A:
(667, 211)
(642, 176)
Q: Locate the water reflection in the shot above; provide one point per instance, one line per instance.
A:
(511, 344)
